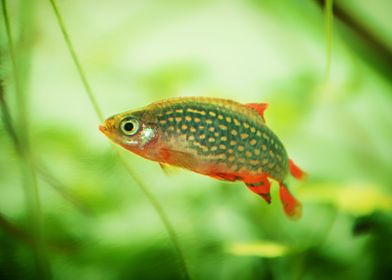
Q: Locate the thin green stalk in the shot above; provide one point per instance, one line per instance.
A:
(42, 170)
(22, 235)
(19, 94)
(75, 59)
(6, 117)
(329, 37)
(161, 213)
(151, 198)
(27, 162)
(25, 39)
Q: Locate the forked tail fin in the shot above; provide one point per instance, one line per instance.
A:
(292, 207)
(297, 172)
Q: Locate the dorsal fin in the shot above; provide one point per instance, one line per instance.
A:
(258, 107)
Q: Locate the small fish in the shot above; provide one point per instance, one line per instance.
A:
(216, 137)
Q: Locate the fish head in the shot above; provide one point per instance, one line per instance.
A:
(132, 130)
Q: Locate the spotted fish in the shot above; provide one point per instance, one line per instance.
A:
(216, 137)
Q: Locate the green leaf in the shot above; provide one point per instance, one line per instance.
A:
(265, 249)
(356, 199)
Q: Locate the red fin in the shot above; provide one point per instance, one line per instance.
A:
(258, 107)
(224, 176)
(291, 206)
(296, 171)
(262, 188)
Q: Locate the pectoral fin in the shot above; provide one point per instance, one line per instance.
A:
(168, 169)
(179, 158)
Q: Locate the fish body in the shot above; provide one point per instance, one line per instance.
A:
(220, 138)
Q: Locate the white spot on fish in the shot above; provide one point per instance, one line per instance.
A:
(147, 134)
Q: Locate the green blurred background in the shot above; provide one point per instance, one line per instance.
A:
(69, 209)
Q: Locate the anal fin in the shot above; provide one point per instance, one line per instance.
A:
(224, 176)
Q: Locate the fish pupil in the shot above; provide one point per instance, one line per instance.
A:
(128, 126)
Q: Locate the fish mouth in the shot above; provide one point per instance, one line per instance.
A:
(102, 128)
(105, 129)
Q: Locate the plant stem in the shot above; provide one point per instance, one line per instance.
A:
(329, 37)
(160, 211)
(26, 161)
(148, 194)
(75, 59)
(361, 39)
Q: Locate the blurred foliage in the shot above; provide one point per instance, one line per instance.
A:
(97, 223)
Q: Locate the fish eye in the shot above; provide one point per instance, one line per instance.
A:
(129, 126)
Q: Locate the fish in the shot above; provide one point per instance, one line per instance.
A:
(220, 138)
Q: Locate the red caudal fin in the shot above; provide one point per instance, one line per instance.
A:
(258, 107)
(291, 206)
(296, 171)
